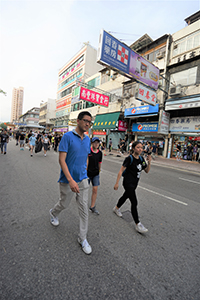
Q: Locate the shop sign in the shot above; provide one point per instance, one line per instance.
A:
(185, 124)
(141, 110)
(185, 56)
(60, 129)
(145, 127)
(61, 104)
(122, 125)
(94, 97)
(192, 138)
(182, 105)
(120, 57)
(164, 123)
(145, 94)
(99, 132)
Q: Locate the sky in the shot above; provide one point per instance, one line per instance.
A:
(37, 38)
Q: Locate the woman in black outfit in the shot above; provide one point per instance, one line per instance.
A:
(133, 167)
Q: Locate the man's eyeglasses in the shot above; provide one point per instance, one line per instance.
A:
(87, 121)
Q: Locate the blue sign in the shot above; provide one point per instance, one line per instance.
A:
(141, 110)
(145, 127)
(114, 53)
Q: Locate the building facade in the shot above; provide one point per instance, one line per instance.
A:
(17, 104)
(47, 112)
(183, 101)
(30, 120)
(81, 66)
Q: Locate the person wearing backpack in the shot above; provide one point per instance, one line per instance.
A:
(131, 171)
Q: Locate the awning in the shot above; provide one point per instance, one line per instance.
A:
(106, 121)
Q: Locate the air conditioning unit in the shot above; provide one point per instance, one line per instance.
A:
(127, 95)
(113, 77)
(160, 55)
(175, 90)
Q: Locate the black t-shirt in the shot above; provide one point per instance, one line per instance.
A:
(4, 137)
(133, 171)
(93, 164)
(179, 147)
(22, 137)
(29, 135)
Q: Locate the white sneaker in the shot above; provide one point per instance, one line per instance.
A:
(117, 212)
(140, 228)
(45, 155)
(85, 246)
(53, 220)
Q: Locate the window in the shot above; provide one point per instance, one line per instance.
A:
(187, 77)
(186, 44)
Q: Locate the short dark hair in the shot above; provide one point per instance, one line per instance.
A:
(84, 113)
(135, 144)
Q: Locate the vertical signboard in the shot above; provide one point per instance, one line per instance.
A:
(164, 123)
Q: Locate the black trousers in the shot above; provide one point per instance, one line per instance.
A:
(131, 195)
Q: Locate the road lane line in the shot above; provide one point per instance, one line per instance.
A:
(172, 199)
(189, 180)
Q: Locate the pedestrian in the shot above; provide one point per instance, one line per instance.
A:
(110, 145)
(133, 167)
(56, 142)
(73, 155)
(189, 152)
(17, 137)
(22, 140)
(154, 149)
(46, 143)
(178, 151)
(122, 146)
(4, 139)
(29, 135)
(130, 146)
(94, 167)
(32, 141)
(195, 149)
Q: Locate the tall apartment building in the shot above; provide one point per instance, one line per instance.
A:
(17, 103)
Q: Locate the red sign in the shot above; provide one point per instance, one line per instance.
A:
(94, 97)
(122, 125)
(133, 111)
(61, 104)
(99, 133)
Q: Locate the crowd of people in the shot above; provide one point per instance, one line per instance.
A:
(34, 140)
(187, 152)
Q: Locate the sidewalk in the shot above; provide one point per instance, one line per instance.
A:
(170, 162)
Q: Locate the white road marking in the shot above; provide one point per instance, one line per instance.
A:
(189, 180)
(172, 199)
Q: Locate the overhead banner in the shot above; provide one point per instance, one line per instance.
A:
(117, 55)
(94, 97)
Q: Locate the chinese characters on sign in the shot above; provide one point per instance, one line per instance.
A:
(185, 124)
(94, 97)
(118, 56)
(145, 94)
(122, 125)
(164, 123)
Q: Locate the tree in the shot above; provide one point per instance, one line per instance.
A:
(3, 125)
(2, 92)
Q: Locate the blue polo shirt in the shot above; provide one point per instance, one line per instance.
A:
(77, 152)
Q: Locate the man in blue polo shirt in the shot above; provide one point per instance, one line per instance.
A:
(73, 154)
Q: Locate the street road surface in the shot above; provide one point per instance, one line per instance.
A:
(41, 262)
